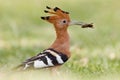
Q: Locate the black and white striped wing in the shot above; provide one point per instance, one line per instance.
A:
(47, 58)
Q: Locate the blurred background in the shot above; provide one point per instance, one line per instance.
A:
(24, 34)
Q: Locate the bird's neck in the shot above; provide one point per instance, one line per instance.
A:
(62, 43)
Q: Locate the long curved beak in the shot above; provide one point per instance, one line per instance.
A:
(82, 24)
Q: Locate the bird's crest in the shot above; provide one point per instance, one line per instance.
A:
(57, 13)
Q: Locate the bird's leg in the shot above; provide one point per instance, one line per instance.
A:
(55, 71)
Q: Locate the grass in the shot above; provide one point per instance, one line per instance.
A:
(95, 52)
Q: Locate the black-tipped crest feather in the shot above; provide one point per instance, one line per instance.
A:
(48, 7)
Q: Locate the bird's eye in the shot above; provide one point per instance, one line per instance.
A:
(64, 21)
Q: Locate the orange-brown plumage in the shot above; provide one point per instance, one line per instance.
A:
(61, 43)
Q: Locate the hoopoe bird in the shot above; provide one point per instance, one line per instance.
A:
(59, 52)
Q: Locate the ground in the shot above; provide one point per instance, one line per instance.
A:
(95, 52)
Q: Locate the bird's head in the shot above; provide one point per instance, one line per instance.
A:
(60, 19)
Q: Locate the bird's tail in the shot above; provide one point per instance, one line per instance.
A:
(19, 67)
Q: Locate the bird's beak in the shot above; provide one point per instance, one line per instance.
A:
(82, 24)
